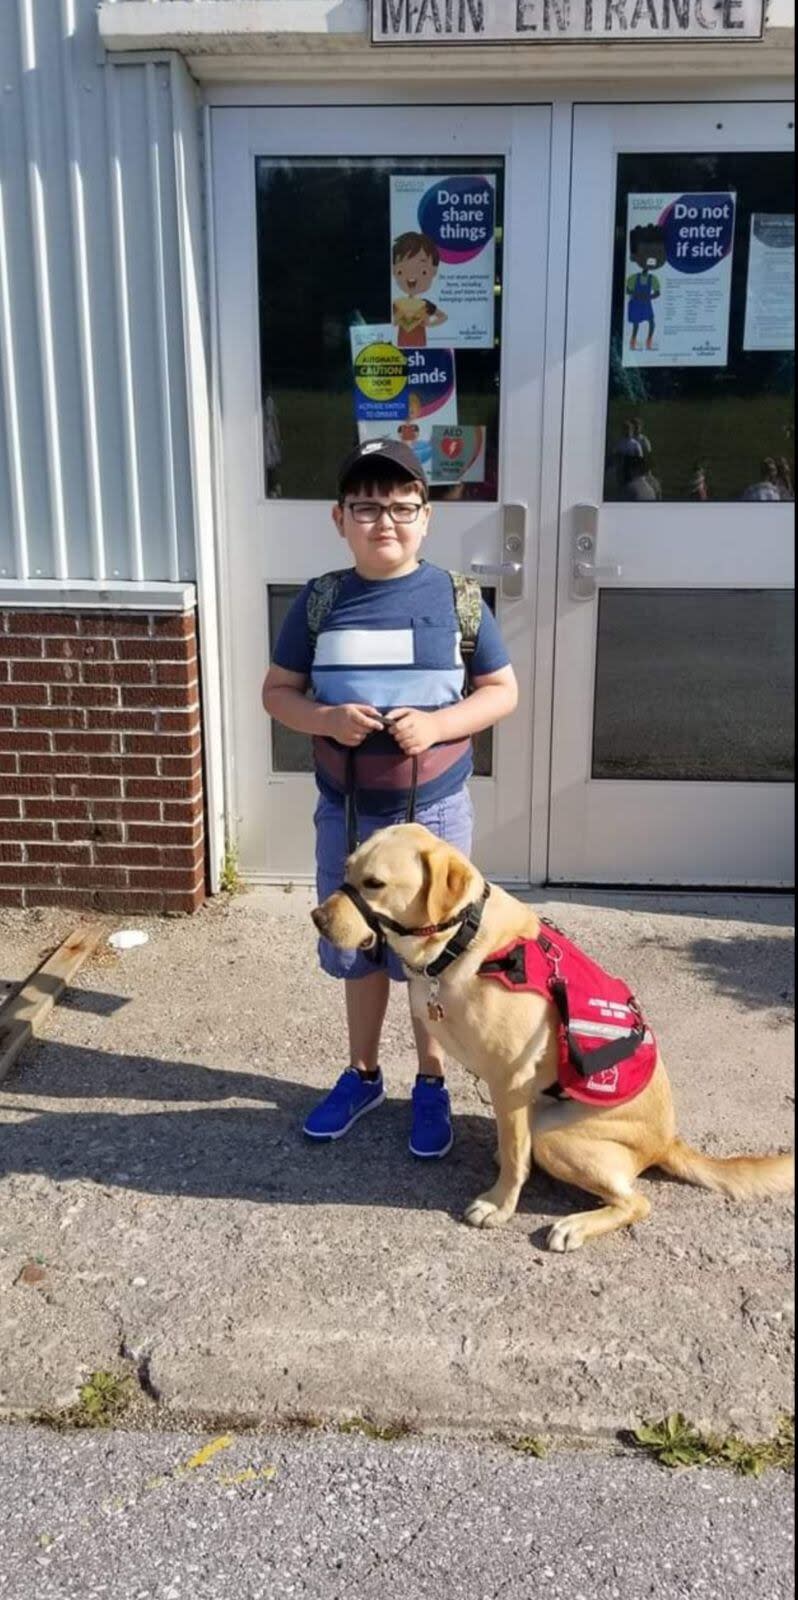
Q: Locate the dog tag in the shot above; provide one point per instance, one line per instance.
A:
(434, 1007)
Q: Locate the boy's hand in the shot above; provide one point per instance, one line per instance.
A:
(414, 731)
(351, 724)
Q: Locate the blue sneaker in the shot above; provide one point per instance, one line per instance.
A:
(351, 1097)
(431, 1133)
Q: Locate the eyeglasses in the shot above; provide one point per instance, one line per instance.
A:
(368, 512)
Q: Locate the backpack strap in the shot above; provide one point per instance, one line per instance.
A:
(321, 599)
(468, 605)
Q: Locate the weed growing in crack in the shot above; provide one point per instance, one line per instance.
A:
(531, 1445)
(372, 1430)
(675, 1442)
(230, 879)
(102, 1400)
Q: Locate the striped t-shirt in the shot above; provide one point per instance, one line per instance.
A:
(389, 643)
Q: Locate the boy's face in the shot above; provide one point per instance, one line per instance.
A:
(381, 546)
(415, 273)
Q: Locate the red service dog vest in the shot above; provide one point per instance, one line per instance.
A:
(607, 1053)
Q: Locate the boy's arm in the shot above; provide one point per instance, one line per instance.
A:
(494, 697)
(285, 698)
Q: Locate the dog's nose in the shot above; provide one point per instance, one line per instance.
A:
(318, 919)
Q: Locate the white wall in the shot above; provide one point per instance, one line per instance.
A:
(780, 13)
(95, 478)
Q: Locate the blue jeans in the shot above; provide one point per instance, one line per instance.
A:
(451, 819)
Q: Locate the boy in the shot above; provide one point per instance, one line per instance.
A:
(387, 678)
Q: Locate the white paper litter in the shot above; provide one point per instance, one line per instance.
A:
(128, 938)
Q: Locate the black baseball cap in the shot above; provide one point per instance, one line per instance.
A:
(390, 450)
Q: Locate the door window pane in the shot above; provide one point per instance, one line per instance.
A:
(324, 266)
(695, 683)
(709, 432)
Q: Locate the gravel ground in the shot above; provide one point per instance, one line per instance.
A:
(153, 1173)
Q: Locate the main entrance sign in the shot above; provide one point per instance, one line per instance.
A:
(563, 21)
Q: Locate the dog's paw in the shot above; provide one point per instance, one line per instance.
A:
(484, 1213)
(569, 1233)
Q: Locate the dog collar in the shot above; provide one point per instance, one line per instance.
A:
(468, 922)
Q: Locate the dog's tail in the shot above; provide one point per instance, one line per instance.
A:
(739, 1177)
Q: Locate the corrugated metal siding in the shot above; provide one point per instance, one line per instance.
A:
(95, 479)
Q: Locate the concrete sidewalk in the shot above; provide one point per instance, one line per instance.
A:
(152, 1161)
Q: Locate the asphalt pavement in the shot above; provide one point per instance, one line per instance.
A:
(126, 1516)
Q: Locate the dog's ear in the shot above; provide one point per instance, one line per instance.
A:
(448, 874)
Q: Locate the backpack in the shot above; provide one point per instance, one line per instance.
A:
(466, 594)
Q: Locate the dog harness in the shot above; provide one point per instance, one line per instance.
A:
(607, 1053)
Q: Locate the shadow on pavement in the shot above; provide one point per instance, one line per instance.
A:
(233, 1151)
(759, 973)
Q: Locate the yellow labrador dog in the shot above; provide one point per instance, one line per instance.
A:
(406, 879)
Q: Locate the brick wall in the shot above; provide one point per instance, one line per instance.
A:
(101, 801)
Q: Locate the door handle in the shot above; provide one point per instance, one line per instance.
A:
(588, 569)
(485, 570)
(586, 573)
(510, 570)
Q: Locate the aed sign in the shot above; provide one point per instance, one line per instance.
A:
(562, 21)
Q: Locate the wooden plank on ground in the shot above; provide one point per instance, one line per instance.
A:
(24, 1016)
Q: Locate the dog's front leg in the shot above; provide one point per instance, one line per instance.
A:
(513, 1119)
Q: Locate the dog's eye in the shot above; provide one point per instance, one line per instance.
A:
(373, 883)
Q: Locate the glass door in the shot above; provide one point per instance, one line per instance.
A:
(673, 750)
(359, 253)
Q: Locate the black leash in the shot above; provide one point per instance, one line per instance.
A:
(352, 829)
(467, 921)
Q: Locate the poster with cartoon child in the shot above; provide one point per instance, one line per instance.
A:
(443, 260)
(677, 284)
